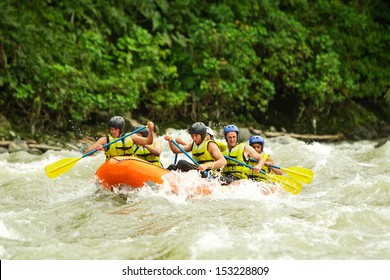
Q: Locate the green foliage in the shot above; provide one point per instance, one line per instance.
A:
(223, 61)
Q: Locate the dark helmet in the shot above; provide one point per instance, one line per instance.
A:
(198, 128)
(144, 131)
(117, 122)
(257, 139)
(230, 128)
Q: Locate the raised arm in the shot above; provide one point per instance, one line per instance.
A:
(156, 150)
(174, 149)
(142, 141)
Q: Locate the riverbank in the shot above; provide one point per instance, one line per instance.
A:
(17, 143)
(34, 147)
(79, 138)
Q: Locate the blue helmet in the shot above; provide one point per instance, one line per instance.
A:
(230, 128)
(257, 139)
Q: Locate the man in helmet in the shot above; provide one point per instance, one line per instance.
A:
(240, 152)
(116, 126)
(150, 153)
(209, 136)
(204, 151)
(257, 142)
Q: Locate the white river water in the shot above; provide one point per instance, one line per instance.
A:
(343, 214)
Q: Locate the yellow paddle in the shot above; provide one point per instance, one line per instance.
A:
(288, 184)
(300, 174)
(62, 166)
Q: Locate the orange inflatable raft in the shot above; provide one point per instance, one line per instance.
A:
(129, 171)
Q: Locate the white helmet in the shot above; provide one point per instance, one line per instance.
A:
(210, 131)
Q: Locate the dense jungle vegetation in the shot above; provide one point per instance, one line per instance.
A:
(255, 62)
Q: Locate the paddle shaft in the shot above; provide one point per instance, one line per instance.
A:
(244, 164)
(175, 161)
(63, 165)
(184, 152)
(116, 140)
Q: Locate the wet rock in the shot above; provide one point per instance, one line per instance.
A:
(382, 142)
(384, 130)
(363, 132)
(35, 151)
(70, 146)
(17, 145)
(245, 134)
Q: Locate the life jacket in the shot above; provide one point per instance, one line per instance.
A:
(234, 168)
(258, 175)
(143, 153)
(200, 153)
(221, 145)
(119, 148)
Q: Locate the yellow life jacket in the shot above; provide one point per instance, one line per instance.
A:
(221, 145)
(258, 175)
(143, 153)
(119, 148)
(200, 153)
(235, 168)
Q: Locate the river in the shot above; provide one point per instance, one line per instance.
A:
(343, 214)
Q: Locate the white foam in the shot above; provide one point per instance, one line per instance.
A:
(7, 233)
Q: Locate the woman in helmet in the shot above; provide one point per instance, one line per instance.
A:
(258, 143)
(240, 152)
(116, 126)
(204, 151)
(210, 135)
(150, 153)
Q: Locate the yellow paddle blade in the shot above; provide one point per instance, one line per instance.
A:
(288, 184)
(60, 167)
(301, 174)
